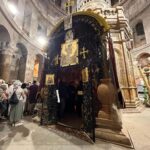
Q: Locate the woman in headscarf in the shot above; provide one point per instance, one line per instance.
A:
(16, 110)
(24, 87)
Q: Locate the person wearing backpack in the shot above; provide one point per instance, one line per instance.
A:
(16, 101)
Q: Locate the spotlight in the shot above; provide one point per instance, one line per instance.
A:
(42, 40)
(12, 8)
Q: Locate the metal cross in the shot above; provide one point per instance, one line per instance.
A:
(83, 52)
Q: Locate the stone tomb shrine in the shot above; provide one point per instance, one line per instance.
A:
(80, 72)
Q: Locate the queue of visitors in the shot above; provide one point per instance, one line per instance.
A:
(17, 98)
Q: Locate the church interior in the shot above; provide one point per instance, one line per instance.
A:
(74, 74)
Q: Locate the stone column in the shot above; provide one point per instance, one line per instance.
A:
(5, 65)
(6, 56)
(132, 90)
(29, 67)
(121, 35)
(109, 121)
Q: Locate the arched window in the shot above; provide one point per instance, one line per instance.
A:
(4, 37)
(113, 2)
(139, 29)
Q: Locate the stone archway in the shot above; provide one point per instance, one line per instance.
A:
(5, 59)
(4, 37)
(144, 59)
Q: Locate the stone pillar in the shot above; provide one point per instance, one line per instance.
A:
(5, 65)
(124, 69)
(29, 67)
(132, 101)
(109, 121)
(121, 35)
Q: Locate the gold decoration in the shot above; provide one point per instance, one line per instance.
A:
(49, 79)
(100, 19)
(36, 70)
(69, 53)
(85, 75)
(69, 3)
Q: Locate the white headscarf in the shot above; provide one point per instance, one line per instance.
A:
(17, 83)
(4, 86)
(2, 81)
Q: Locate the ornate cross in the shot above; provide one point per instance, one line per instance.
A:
(56, 60)
(68, 6)
(84, 52)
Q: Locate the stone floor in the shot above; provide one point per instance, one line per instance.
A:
(30, 136)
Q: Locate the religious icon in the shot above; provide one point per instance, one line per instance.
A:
(36, 70)
(49, 79)
(69, 35)
(69, 53)
(85, 75)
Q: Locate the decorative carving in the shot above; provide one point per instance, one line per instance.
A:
(85, 75)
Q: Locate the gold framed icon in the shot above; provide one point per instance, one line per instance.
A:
(69, 53)
(85, 75)
(50, 79)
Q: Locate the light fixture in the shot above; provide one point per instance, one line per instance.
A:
(12, 8)
(135, 63)
(42, 40)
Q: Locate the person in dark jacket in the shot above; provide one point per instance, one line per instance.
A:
(33, 90)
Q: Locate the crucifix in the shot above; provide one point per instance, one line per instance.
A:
(84, 52)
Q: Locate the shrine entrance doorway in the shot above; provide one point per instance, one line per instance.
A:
(70, 88)
(76, 57)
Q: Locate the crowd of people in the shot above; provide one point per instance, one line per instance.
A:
(17, 98)
(71, 98)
